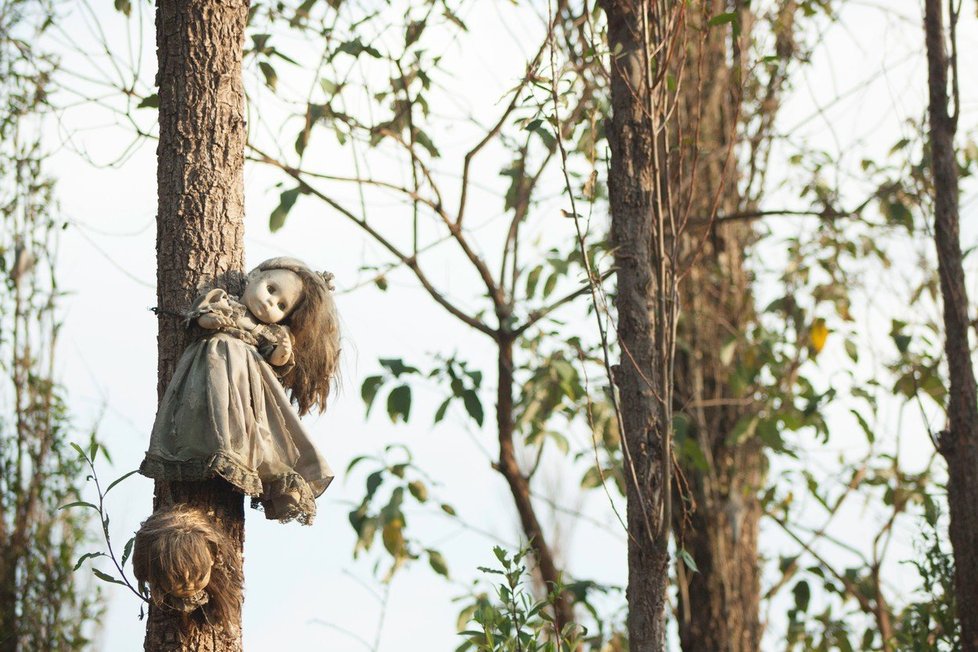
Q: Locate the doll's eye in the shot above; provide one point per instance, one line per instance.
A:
(271, 289)
(281, 306)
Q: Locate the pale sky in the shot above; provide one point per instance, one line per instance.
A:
(302, 586)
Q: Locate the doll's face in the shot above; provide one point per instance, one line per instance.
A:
(272, 294)
(193, 582)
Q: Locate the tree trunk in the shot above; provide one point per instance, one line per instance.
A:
(519, 484)
(718, 605)
(199, 233)
(958, 444)
(631, 184)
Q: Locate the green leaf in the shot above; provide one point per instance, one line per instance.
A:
(688, 560)
(329, 87)
(87, 555)
(271, 77)
(397, 367)
(767, 431)
(550, 284)
(356, 47)
(592, 478)
(105, 577)
(399, 403)
(448, 509)
(79, 503)
(413, 31)
(120, 479)
(125, 6)
(393, 536)
(501, 555)
(356, 460)
(374, 480)
(260, 42)
(127, 550)
(532, 279)
(691, 453)
(437, 562)
(149, 102)
(867, 430)
(286, 202)
(366, 533)
(743, 429)
(560, 441)
(473, 405)
(301, 140)
(723, 19)
(440, 413)
(852, 351)
(79, 449)
(425, 141)
(368, 391)
(418, 490)
(803, 595)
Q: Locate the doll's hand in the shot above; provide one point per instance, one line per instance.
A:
(281, 353)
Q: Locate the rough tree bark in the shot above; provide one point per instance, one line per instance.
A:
(199, 232)
(718, 608)
(959, 443)
(631, 185)
(702, 143)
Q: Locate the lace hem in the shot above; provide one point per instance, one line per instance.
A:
(286, 498)
(219, 464)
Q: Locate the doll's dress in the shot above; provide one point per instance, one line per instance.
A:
(225, 413)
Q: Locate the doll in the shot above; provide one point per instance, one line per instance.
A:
(187, 563)
(227, 410)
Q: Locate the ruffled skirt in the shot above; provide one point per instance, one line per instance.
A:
(226, 414)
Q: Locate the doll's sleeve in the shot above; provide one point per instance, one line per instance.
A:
(214, 302)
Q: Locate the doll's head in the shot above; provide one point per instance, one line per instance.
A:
(312, 320)
(187, 563)
(272, 294)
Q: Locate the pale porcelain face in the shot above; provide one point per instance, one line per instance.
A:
(272, 294)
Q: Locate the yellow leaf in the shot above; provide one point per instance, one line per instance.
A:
(818, 334)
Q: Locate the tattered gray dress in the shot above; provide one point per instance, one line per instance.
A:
(225, 413)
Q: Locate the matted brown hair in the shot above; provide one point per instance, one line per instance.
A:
(178, 542)
(316, 332)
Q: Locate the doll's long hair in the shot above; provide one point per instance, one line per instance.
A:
(178, 543)
(315, 327)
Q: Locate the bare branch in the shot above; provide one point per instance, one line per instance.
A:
(409, 261)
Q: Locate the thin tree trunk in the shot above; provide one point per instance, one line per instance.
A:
(959, 444)
(199, 232)
(718, 608)
(632, 184)
(519, 484)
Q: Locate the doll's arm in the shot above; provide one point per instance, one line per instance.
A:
(282, 353)
(212, 310)
(278, 348)
(213, 321)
